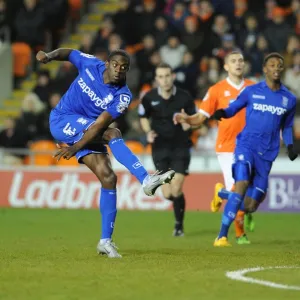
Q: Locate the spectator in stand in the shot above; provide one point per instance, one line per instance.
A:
(124, 20)
(257, 55)
(293, 45)
(172, 53)
(142, 57)
(279, 29)
(30, 24)
(186, 74)
(248, 36)
(43, 86)
(227, 46)
(86, 43)
(102, 36)
(178, 16)
(13, 136)
(3, 21)
(204, 12)
(161, 31)
(115, 42)
(192, 36)
(240, 11)
(219, 28)
(33, 117)
(56, 13)
(292, 76)
(146, 18)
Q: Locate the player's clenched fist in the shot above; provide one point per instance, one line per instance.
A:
(42, 57)
(180, 118)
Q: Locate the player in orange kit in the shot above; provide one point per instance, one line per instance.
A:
(220, 96)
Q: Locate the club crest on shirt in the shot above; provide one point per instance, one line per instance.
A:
(285, 101)
(226, 93)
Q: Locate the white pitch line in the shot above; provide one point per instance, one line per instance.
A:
(240, 276)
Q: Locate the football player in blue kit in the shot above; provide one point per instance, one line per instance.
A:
(81, 120)
(270, 109)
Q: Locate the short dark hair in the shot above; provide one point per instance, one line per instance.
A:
(271, 55)
(119, 52)
(163, 66)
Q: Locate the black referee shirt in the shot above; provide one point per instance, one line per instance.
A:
(161, 112)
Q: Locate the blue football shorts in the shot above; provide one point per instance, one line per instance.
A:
(254, 168)
(69, 129)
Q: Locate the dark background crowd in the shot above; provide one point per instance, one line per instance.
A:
(192, 36)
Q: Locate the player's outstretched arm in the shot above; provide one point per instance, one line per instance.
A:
(61, 54)
(193, 120)
(101, 124)
(234, 107)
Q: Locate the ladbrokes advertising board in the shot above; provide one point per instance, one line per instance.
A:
(79, 189)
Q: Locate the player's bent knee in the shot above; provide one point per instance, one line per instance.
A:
(112, 133)
(109, 180)
(251, 206)
(241, 187)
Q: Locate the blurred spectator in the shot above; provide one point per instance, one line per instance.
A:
(248, 36)
(228, 45)
(3, 21)
(292, 46)
(172, 53)
(192, 36)
(56, 13)
(240, 10)
(13, 136)
(142, 57)
(124, 20)
(30, 24)
(146, 18)
(257, 55)
(115, 42)
(186, 74)
(178, 15)
(86, 43)
(297, 25)
(266, 15)
(214, 72)
(102, 36)
(278, 28)
(292, 76)
(219, 28)
(43, 86)
(161, 31)
(33, 116)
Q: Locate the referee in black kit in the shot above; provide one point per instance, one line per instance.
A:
(170, 143)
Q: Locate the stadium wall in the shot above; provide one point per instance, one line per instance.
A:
(77, 188)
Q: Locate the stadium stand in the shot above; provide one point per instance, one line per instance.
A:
(195, 35)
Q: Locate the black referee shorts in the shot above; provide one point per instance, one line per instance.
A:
(166, 158)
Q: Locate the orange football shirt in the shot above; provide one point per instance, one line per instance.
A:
(220, 96)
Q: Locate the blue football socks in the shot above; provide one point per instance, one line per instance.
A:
(125, 157)
(108, 210)
(223, 194)
(231, 208)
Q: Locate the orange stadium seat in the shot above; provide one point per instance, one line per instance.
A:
(22, 58)
(75, 7)
(135, 147)
(148, 149)
(72, 162)
(43, 159)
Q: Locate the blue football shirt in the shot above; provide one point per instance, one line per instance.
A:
(88, 95)
(267, 112)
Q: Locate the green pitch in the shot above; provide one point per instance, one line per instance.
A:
(51, 254)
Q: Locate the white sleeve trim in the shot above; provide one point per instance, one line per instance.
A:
(206, 114)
